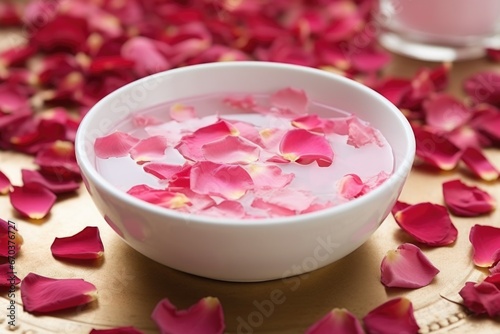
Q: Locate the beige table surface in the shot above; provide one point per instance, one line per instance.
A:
(129, 285)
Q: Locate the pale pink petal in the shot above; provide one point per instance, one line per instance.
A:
(304, 147)
(444, 112)
(57, 186)
(117, 330)
(231, 149)
(271, 138)
(4, 184)
(314, 123)
(406, 267)
(227, 209)
(350, 186)
(273, 210)
(32, 200)
(361, 133)
(114, 145)
(485, 242)
(151, 148)
(228, 181)
(85, 245)
(248, 131)
(245, 103)
(44, 295)
(318, 206)
(290, 199)
(290, 101)
(436, 150)
(483, 297)
(337, 321)
(141, 121)
(180, 112)
(375, 181)
(164, 198)
(479, 165)
(197, 202)
(206, 316)
(467, 201)
(268, 176)
(162, 170)
(393, 316)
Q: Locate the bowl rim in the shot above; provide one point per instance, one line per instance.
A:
(91, 173)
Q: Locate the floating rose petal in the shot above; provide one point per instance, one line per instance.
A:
(290, 199)
(467, 201)
(162, 170)
(56, 186)
(304, 147)
(4, 184)
(436, 150)
(245, 103)
(85, 245)
(165, 198)
(427, 223)
(399, 206)
(314, 123)
(360, 133)
(272, 210)
(407, 267)
(338, 321)
(231, 149)
(8, 229)
(151, 148)
(7, 275)
(118, 330)
(32, 200)
(268, 176)
(44, 295)
(290, 101)
(485, 242)
(248, 131)
(197, 202)
(482, 298)
(206, 316)
(142, 121)
(350, 186)
(271, 138)
(181, 113)
(228, 181)
(229, 209)
(444, 112)
(394, 316)
(114, 145)
(478, 164)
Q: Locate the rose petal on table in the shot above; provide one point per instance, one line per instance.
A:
(370, 59)
(481, 298)
(485, 242)
(8, 276)
(399, 206)
(151, 148)
(350, 186)
(57, 186)
(393, 316)
(466, 136)
(479, 165)
(361, 133)
(227, 209)
(180, 112)
(42, 294)
(290, 101)
(304, 147)
(407, 267)
(427, 223)
(268, 176)
(489, 125)
(164, 198)
(58, 161)
(436, 150)
(394, 89)
(63, 33)
(338, 321)
(482, 87)
(467, 201)
(162, 170)
(5, 184)
(148, 55)
(85, 245)
(117, 330)
(231, 150)
(103, 64)
(16, 56)
(206, 316)
(493, 54)
(444, 112)
(5, 239)
(114, 145)
(32, 200)
(9, 15)
(228, 181)
(12, 99)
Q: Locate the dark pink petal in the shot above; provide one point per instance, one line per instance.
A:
(33, 200)
(101, 65)
(228, 181)
(314, 123)
(407, 267)
(479, 165)
(85, 245)
(114, 145)
(361, 133)
(57, 186)
(392, 317)
(290, 101)
(489, 125)
(493, 54)
(465, 136)
(12, 99)
(44, 295)
(151, 148)
(117, 330)
(8, 276)
(370, 59)
(16, 56)
(4, 184)
(231, 149)
(63, 33)
(268, 176)
(427, 223)
(206, 316)
(444, 112)
(350, 186)
(338, 321)
(58, 161)
(484, 87)
(148, 55)
(394, 89)
(162, 170)
(485, 242)
(9, 15)
(467, 201)
(495, 269)
(181, 113)
(165, 198)
(5, 238)
(230, 209)
(483, 297)
(436, 150)
(304, 147)
(399, 206)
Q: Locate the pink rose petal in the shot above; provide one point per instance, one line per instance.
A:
(444, 112)
(85, 245)
(479, 165)
(273, 210)
(392, 317)
(268, 176)
(399, 206)
(7, 230)
(114, 145)
(148, 55)
(58, 161)
(467, 201)
(151, 148)
(8, 277)
(485, 242)
(483, 297)
(495, 269)
(117, 330)
(360, 133)
(427, 223)
(350, 186)
(181, 113)
(290, 101)
(304, 147)
(206, 316)
(228, 181)
(165, 198)
(338, 321)
(4, 184)
(314, 123)
(57, 186)
(44, 295)
(231, 150)
(483, 87)
(436, 150)
(162, 170)
(290, 199)
(33, 200)
(229, 209)
(407, 267)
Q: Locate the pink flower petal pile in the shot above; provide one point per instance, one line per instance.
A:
(85, 245)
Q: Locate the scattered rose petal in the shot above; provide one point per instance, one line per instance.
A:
(57, 186)
(392, 317)
(63, 33)
(5, 239)
(304, 147)
(338, 321)
(483, 87)
(85, 245)
(288, 198)
(148, 55)
(493, 54)
(268, 176)
(482, 298)
(117, 330)
(290, 101)
(4, 184)
(399, 206)
(8, 276)
(206, 316)
(114, 145)
(58, 161)
(479, 165)
(467, 201)
(33, 200)
(181, 113)
(436, 150)
(151, 148)
(231, 150)
(427, 223)
(485, 242)
(407, 267)
(44, 295)
(444, 112)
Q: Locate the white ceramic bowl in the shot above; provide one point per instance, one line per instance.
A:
(249, 250)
